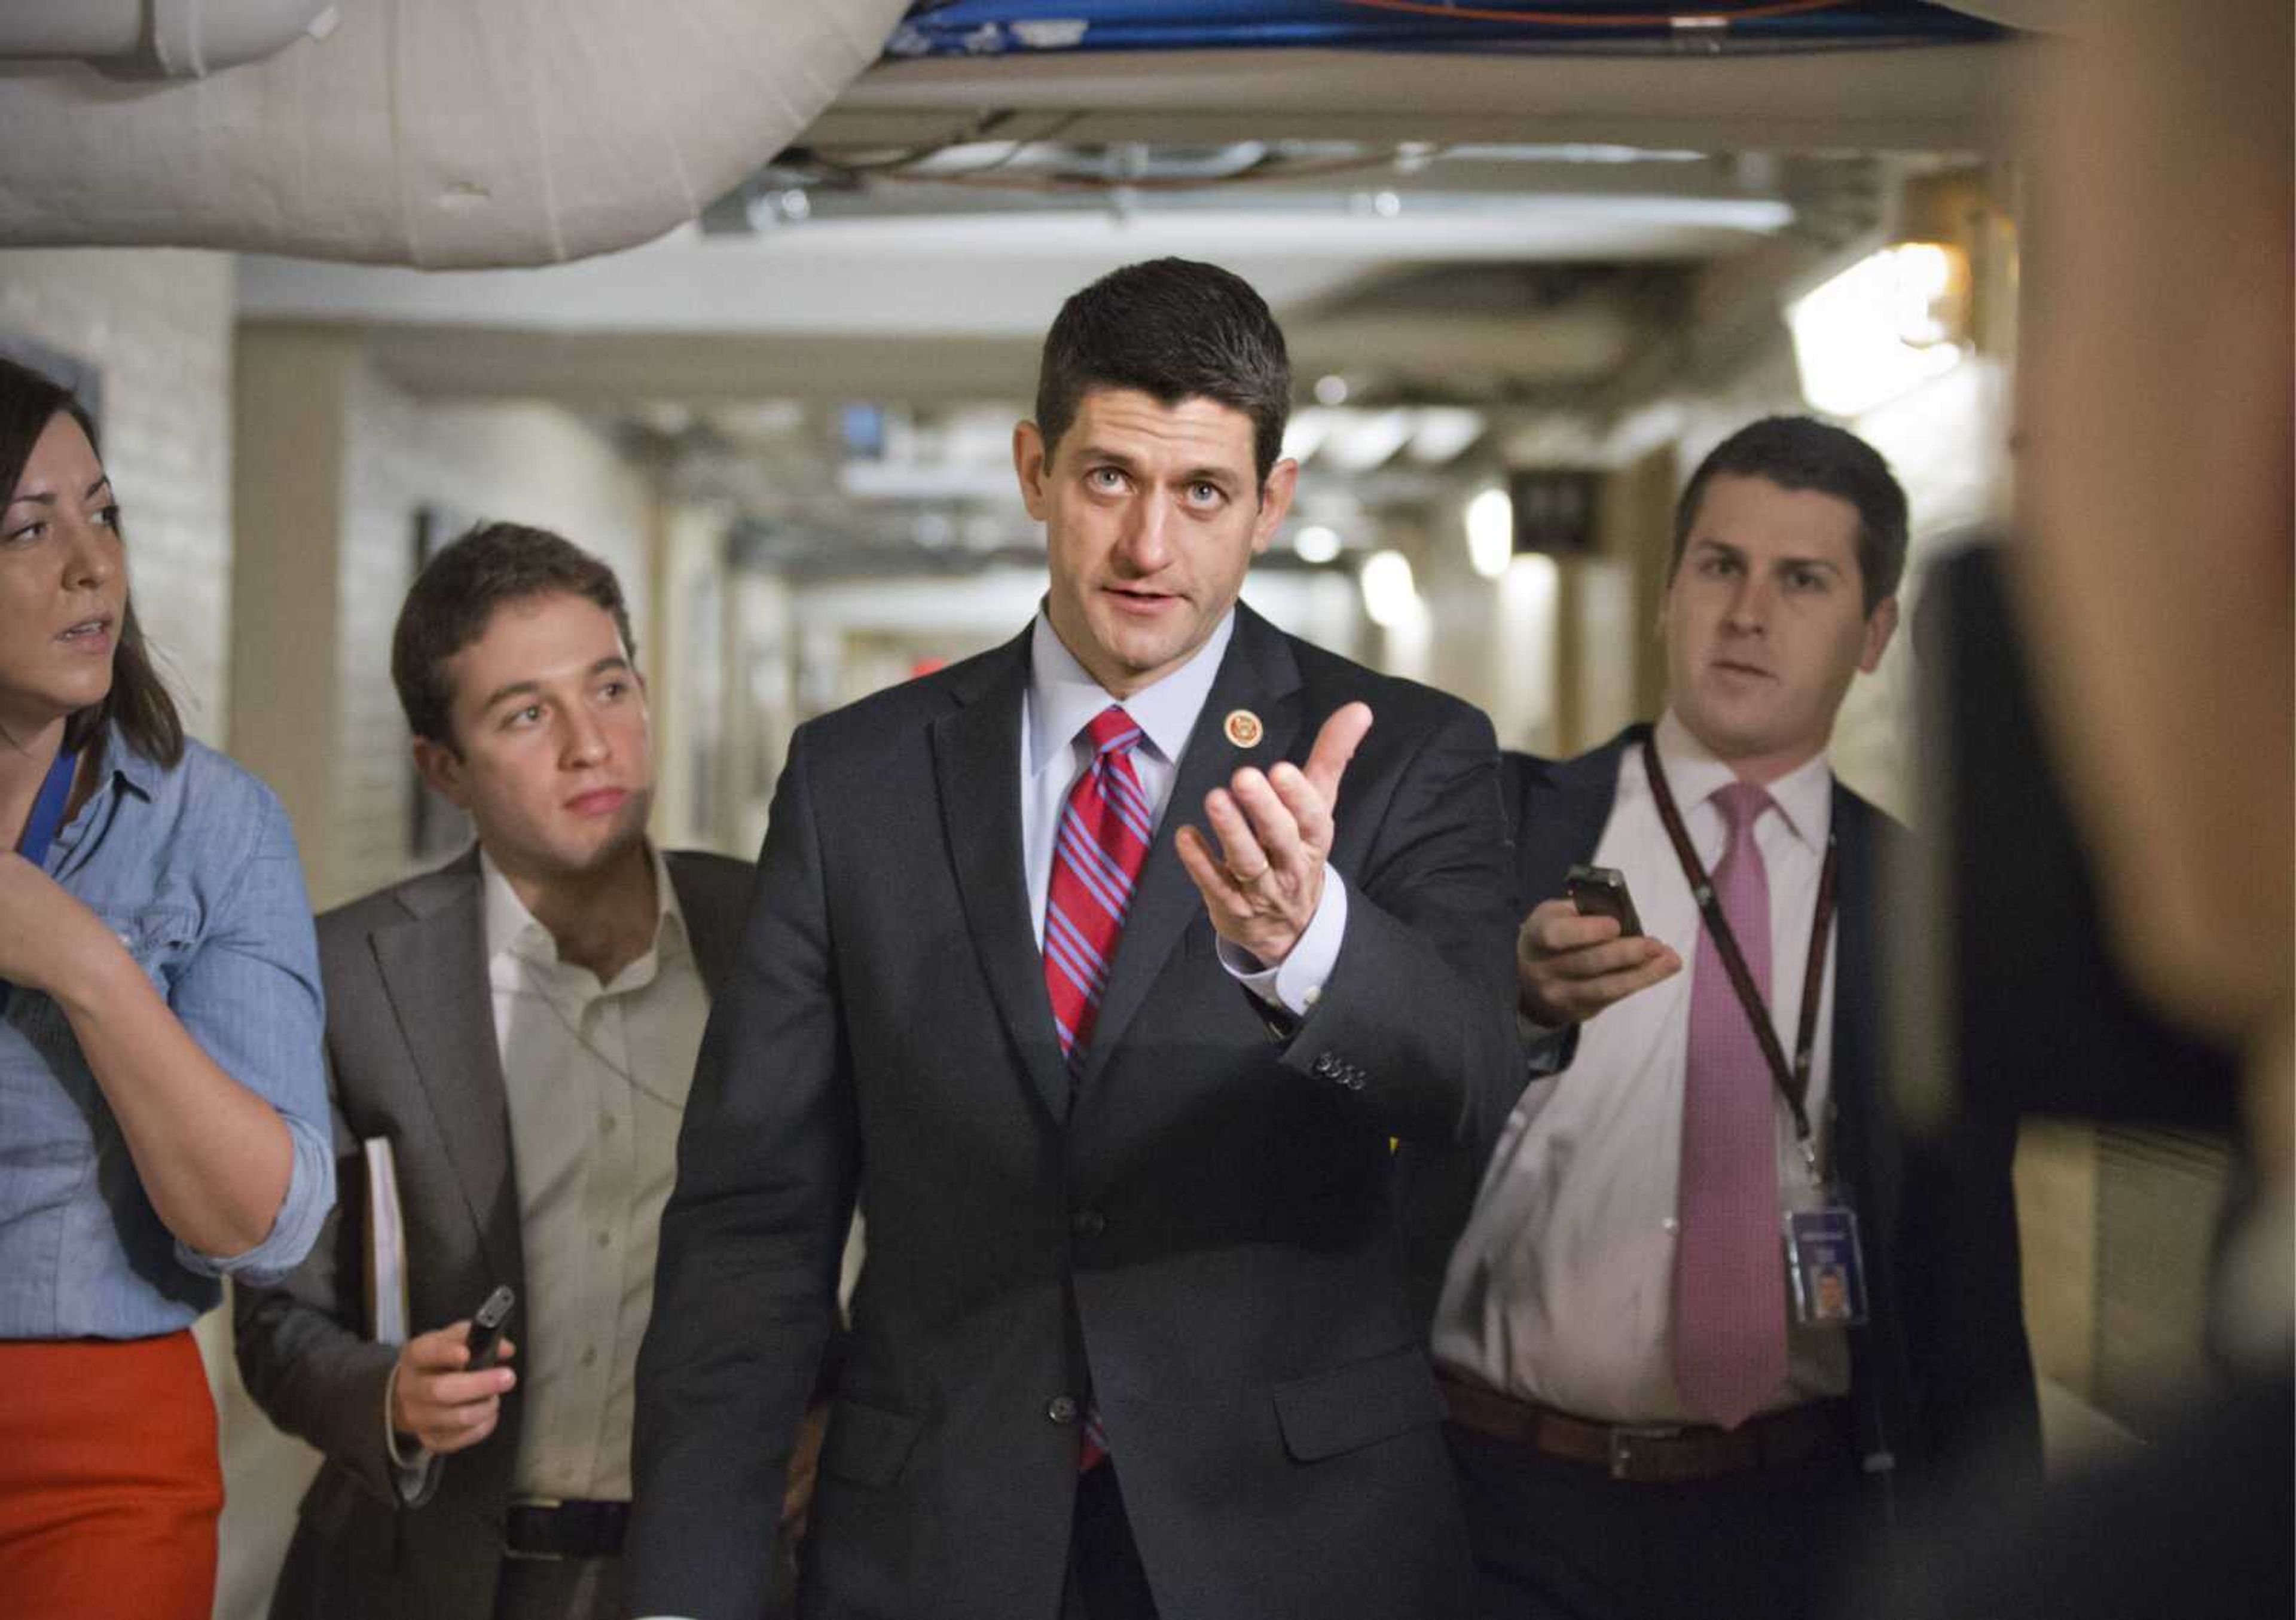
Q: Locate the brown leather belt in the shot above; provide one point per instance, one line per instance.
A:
(1655, 1452)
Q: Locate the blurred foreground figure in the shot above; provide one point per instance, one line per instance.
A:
(2154, 564)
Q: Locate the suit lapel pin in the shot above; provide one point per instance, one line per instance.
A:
(1243, 728)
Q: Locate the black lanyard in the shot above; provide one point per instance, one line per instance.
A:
(1793, 1081)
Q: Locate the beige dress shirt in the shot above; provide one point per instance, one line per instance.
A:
(1561, 1288)
(596, 1076)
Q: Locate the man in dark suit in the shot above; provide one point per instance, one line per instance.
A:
(1117, 1096)
(520, 1026)
(1657, 1405)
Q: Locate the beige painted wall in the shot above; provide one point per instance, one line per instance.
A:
(288, 400)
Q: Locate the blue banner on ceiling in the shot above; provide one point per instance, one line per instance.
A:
(994, 28)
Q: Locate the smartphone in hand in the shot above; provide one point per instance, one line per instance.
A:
(487, 1326)
(1601, 891)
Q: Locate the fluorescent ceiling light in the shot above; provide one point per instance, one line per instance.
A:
(1316, 542)
(1490, 532)
(1306, 432)
(1443, 432)
(1886, 324)
(1568, 152)
(1370, 438)
(1389, 597)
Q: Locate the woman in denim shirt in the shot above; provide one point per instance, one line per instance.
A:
(163, 1116)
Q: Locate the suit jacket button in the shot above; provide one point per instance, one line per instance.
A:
(1087, 1223)
(1062, 1408)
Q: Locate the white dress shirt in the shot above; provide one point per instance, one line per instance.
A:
(1062, 700)
(596, 1076)
(1560, 1290)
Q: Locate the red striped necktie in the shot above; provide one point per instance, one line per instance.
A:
(1102, 839)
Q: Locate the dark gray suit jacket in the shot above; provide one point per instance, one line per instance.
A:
(413, 1057)
(1199, 1232)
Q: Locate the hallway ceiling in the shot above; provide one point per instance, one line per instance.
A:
(1504, 237)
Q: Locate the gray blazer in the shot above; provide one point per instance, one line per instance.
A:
(412, 1056)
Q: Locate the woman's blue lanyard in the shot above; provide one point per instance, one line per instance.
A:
(47, 816)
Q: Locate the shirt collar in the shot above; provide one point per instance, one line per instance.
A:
(1063, 699)
(119, 769)
(120, 759)
(1804, 795)
(512, 930)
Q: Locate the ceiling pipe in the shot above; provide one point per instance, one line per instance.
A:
(466, 133)
(173, 38)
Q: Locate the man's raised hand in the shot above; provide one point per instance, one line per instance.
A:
(1275, 830)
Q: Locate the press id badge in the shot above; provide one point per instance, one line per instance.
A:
(1825, 1267)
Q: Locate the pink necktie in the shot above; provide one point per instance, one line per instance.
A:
(1729, 1267)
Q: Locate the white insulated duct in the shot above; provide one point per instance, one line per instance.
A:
(437, 133)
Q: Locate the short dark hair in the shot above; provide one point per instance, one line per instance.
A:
(453, 599)
(137, 702)
(1175, 329)
(1803, 452)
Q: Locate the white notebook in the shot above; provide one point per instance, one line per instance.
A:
(386, 1245)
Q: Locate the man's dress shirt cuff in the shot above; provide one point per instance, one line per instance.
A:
(1547, 1050)
(413, 1475)
(1297, 982)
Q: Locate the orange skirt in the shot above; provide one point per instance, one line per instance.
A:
(109, 1482)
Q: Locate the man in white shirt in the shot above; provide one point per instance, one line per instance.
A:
(1668, 1361)
(1117, 1093)
(522, 1028)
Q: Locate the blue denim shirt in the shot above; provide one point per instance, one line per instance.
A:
(194, 868)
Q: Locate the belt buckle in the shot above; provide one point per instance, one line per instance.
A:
(549, 1504)
(1623, 1438)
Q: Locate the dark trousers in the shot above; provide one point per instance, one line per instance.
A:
(558, 1589)
(591, 1589)
(1105, 1579)
(1555, 1539)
